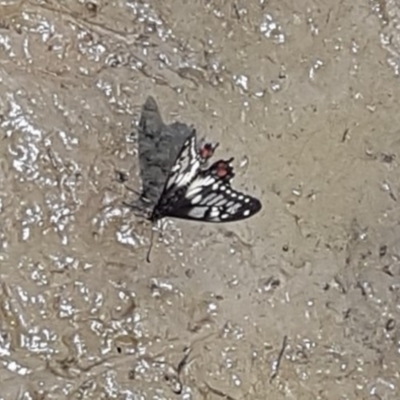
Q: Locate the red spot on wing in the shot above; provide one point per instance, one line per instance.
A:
(222, 169)
(206, 151)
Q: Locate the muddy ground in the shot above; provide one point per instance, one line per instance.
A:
(299, 302)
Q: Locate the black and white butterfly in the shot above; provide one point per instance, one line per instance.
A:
(176, 179)
(202, 194)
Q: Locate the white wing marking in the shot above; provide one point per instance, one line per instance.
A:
(186, 166)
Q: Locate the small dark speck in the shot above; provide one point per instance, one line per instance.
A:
(91, 7)
(282, 75)
(382, 251)
(121, 177)
(275, 283)
(387, 271)
(153, 287)
(326, 287)
(131, 374)
(345, 135)
(390, 324)
(285, 247)
(360, 286)
(113, 63)
(388, 158)
(236, 11)
(189, 272)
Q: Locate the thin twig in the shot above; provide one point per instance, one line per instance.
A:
(279, 359)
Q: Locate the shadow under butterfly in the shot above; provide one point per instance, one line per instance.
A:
(176, 179)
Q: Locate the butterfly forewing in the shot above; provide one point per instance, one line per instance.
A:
(186, 166)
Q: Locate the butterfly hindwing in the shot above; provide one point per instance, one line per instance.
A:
(211, 198)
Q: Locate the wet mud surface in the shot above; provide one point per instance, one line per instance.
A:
(299, 302)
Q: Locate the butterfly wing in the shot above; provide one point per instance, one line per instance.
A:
(203, 194)
(209, 197)
(185, 168)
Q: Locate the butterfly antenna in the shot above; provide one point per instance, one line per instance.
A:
(151, 244)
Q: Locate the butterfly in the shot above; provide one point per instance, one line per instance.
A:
(194, 192)
(176, 179)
